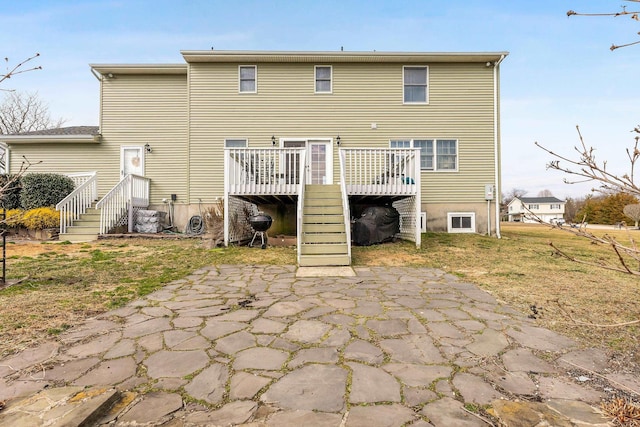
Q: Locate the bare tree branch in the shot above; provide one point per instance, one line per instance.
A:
(624, 12)
(587, 166)
(18, 69)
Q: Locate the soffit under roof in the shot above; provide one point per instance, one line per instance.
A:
(336, 57)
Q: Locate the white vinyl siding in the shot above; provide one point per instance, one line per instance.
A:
(323, 79)
(415, 81)
(135, 110)
(460, 104)
(247, 79)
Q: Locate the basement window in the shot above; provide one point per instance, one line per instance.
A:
(461, 222)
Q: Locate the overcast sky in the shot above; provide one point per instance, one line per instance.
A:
(560, 72)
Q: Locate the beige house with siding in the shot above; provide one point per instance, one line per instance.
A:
(310, 137)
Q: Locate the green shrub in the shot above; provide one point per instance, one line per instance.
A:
(44, 189)
(41, 218)
(11, 195)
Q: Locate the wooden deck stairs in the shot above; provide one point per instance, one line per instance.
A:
(86, 229)
(324, 236)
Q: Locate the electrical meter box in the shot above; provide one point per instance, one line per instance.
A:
(488, 192)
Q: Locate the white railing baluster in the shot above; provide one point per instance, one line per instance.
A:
(131, 192)
(381, 171)
(79, 200)
(301, 186)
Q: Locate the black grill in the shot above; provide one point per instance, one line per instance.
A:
(260, 224)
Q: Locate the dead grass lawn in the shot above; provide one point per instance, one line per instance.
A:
(68, 283)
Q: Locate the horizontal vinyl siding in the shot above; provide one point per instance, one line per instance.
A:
(460, 106)
(148, 109)
(59, 158)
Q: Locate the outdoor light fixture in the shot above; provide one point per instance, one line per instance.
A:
(338, 140)
(147, 148)
(273, 140)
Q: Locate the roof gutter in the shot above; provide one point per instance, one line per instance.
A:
(337, 57)
(496, 144)
(39, 139)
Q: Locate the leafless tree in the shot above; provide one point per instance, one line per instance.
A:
(10, 71)
(25, 112)
(633, 212)
(586, 168)
(545, 193)
(624, 12)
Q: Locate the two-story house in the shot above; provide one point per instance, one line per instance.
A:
(310, 137)
(536, 209)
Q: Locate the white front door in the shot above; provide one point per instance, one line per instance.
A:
(319, 164)
(131, 161)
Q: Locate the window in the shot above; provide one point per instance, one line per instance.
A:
(533, 207)
(248, 77)
(415, 85)
(461, 222)
(555, 206)
(443, 158)
(323, 78)
(235, 143)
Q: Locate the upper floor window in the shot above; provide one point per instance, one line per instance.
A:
(555, 206)
(415, 85)
(435, 154)
(248, 77)
(323, 78)
(533, 207)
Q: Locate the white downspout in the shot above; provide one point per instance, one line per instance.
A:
(495, 144)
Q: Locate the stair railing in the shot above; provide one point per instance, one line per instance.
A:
(79, 200)
(346, 211)
(130, 193)
(301, 185)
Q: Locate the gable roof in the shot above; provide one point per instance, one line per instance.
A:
(64, 134)
(540, 200)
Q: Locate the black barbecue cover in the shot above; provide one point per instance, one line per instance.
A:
(376, 225)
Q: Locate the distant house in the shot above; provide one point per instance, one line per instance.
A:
(536, 209)
(311, 138)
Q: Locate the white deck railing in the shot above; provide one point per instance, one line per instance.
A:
(130, 193)
(263, 171)
(300, 207)
(385, 172)
(381, 171)
(346, 209)
(79, 200)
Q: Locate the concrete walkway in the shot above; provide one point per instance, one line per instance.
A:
(263, 346)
